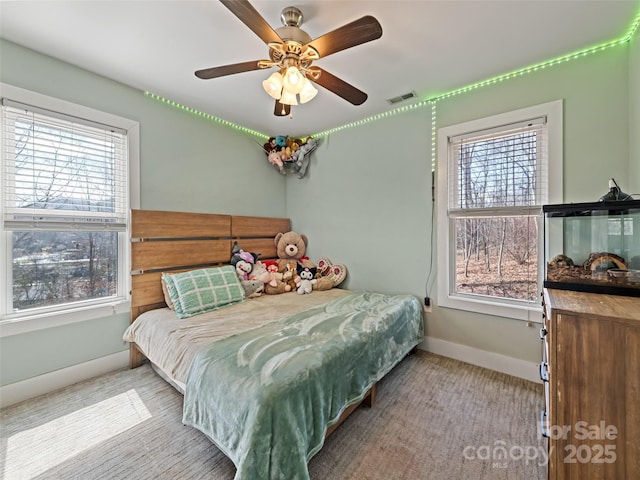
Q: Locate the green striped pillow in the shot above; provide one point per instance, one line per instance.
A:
(203, 290)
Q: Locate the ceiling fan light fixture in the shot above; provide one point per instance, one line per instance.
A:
(308, 91)
(293, 80)
(292, 51)
(273, 85)
(288, 98)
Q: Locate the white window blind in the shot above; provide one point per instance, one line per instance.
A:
(495, 173)
(61, 172)
(503, 169)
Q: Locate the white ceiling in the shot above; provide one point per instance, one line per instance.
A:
(429, 47)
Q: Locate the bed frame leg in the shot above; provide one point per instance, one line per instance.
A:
(136, 358)
(370, 399)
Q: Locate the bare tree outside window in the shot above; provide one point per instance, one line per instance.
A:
(497, 257)
(62, 200)
(50, 268)
(496, 251)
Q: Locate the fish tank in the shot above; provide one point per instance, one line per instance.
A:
(593, 247)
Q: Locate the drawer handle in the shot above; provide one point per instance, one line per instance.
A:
(544, 426)
(543, 333)
(544, 372)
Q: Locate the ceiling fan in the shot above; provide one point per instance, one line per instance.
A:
(293, 51)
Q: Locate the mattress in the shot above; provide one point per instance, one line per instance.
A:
(171, 343)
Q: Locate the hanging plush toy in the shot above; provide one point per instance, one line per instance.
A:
(275, 159)
(301, 156)
(289, 154)
(281, 141)
(270, 145)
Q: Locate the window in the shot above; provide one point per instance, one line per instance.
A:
(66, 188)
(494, 175)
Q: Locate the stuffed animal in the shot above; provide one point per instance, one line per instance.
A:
(243, 268)
(281, 141)
(301, 156)
(271, 275)
(306, 279)
(273, 278)
(273, 285)
(270, 145)
(291, 247)
(243, 261)
(289, 275)
(336, 272)
(289, 154)
(252, 288)
(275, 159)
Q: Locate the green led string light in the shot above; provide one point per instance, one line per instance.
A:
(372, 118)
(433, 136)
(634, 27)
(491, 81)
(206, 115)
(432, 100)
(484, 83)
(531, 69)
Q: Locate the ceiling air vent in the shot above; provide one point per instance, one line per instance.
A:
(402, 98)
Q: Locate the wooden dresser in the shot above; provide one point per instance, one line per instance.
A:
(591, 373)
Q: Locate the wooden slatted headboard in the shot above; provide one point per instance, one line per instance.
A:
(176, 241)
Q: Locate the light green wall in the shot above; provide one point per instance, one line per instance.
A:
(594, 89)
(634, 115)
(367, 199)
(366, 202)
(35, 353)
(187, 164)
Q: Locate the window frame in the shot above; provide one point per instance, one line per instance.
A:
(446, 262)
(29, 320)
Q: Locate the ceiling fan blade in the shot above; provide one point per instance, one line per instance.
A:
(252, 19)
(360, 31)
(341, 88)
(215, 72)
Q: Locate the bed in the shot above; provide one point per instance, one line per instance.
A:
(266, 379)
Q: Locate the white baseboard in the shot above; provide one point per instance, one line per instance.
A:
(493, 361)
(32, 387)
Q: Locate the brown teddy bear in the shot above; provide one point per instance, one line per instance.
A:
(291, 247)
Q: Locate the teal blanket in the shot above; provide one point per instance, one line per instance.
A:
(266, 397)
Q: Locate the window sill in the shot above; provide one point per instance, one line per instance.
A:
(15, 325)
(525, 313)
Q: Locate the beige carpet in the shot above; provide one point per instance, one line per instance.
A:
(435, 418)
